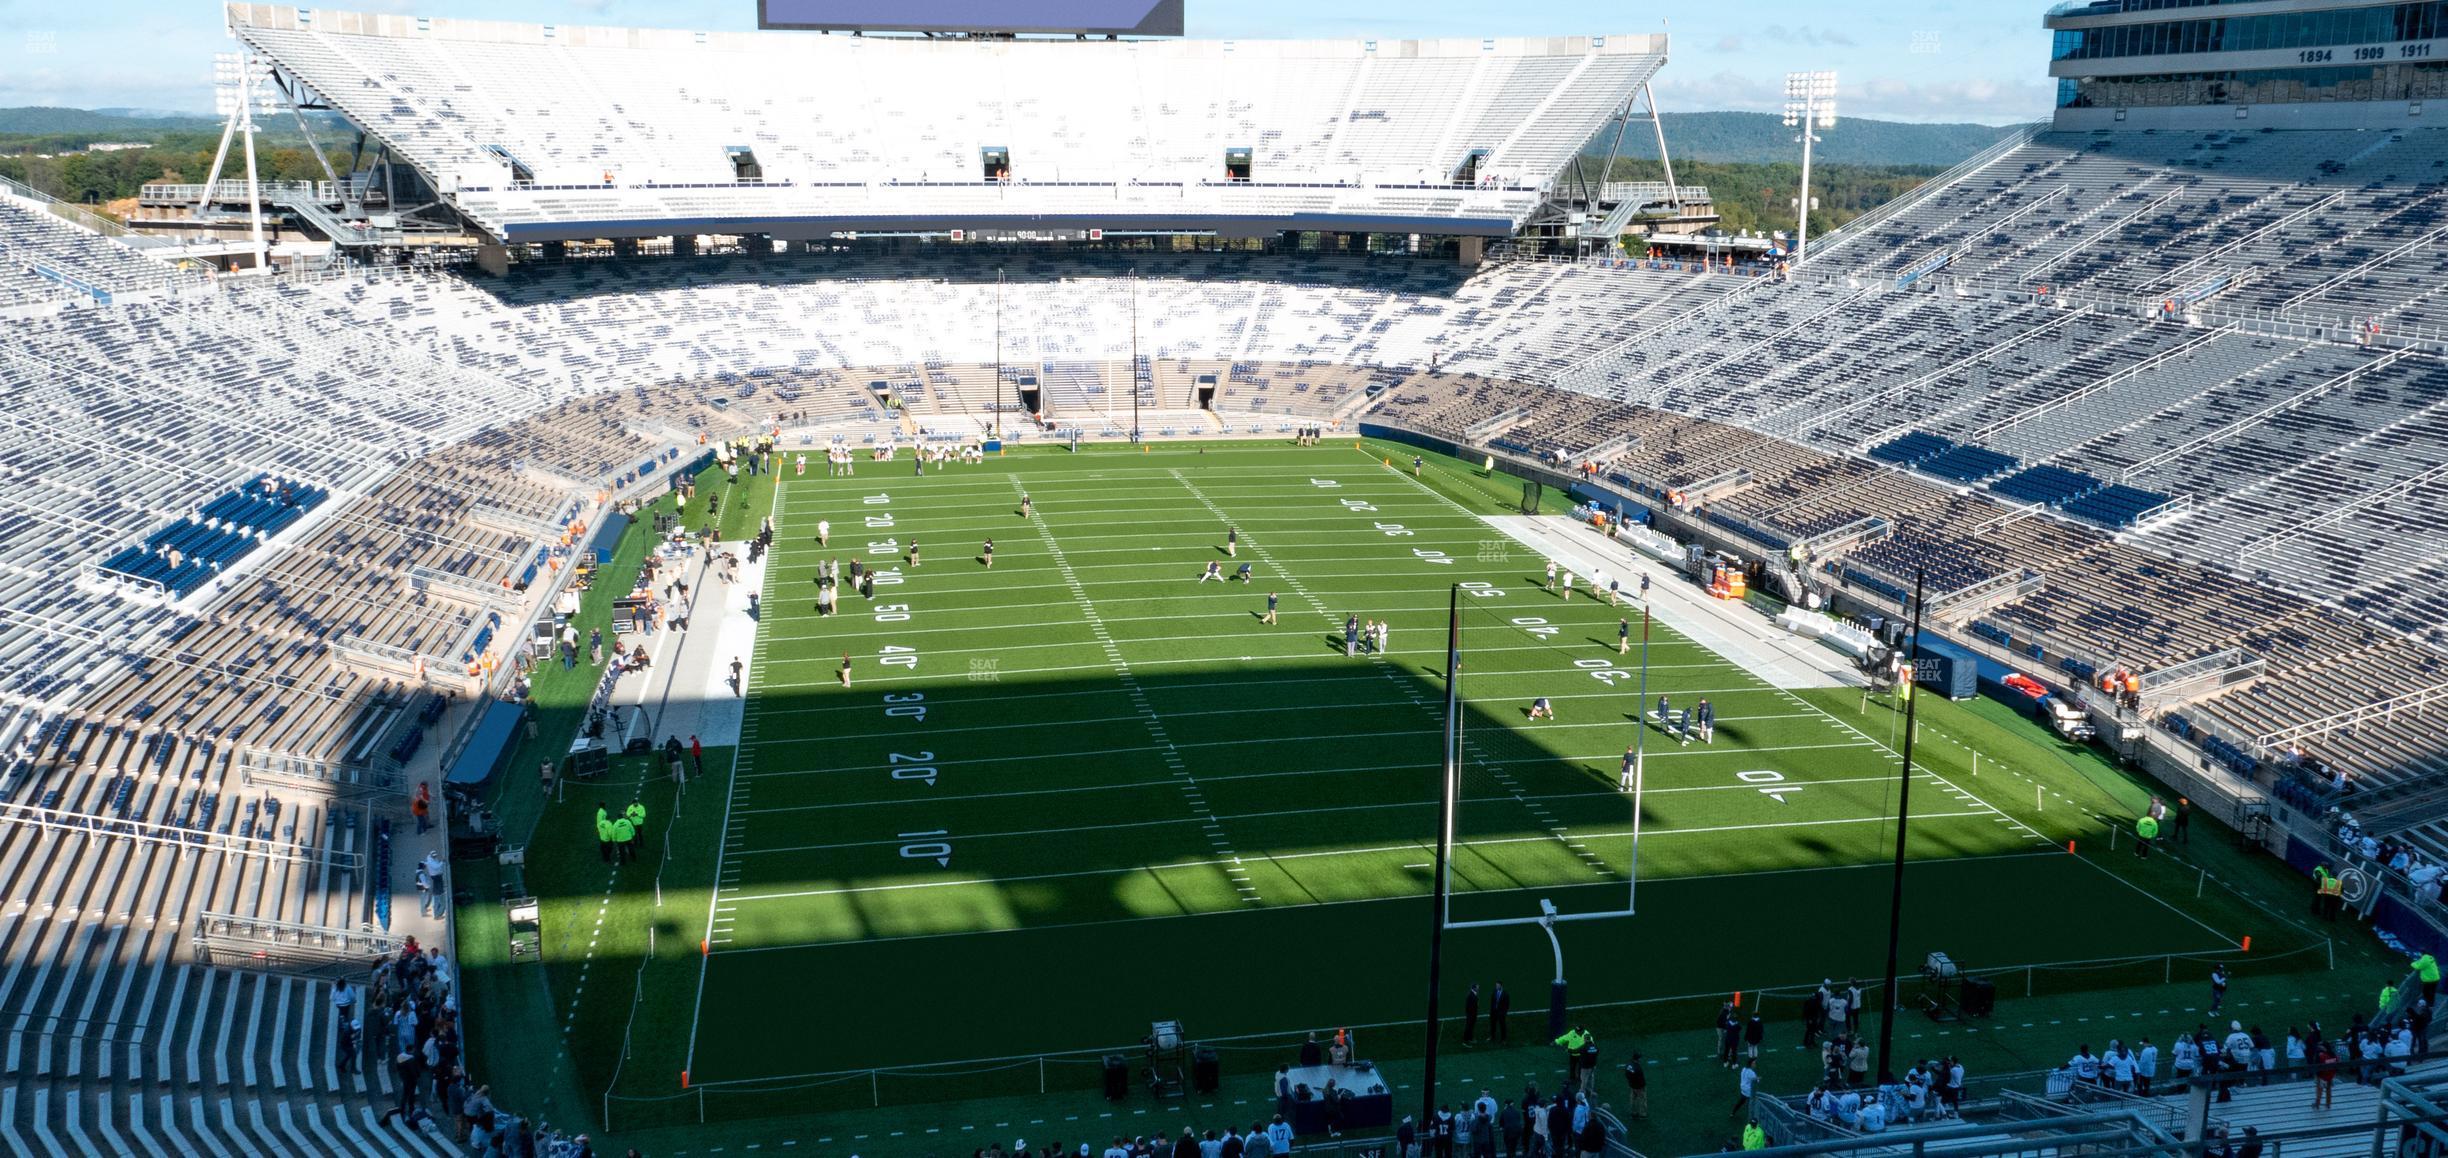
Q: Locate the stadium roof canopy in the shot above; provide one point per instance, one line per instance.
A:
(541, 133)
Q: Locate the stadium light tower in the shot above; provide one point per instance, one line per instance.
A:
(1810, 103)
(997, 412)
(1134, 365)
(241, 85)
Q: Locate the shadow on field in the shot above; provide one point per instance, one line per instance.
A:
(1045, 928)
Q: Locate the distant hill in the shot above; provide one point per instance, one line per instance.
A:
(1736, 138)
(1761, 138)
(111, 124)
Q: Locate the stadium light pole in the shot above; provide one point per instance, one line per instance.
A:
(1895, 901)
(1134, 365)
(1441, 885)
(998, 386)
(1810, 104)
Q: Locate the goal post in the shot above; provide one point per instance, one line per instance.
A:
(1457, 732)
(1455, 758)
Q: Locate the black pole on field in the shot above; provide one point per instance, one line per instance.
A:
(1895, 903)
(1134, 366)
(1447, 768)
(998, 386)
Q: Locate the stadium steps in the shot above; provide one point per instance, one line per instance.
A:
(111, 1043)
(2287, 1106)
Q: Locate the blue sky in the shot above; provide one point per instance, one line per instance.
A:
(1928, 60)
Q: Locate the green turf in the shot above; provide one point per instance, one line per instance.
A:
(1118, 766)
(1235, 833)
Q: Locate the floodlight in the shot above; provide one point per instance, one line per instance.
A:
(1810, 105)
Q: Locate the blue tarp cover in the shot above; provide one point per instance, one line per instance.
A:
(484, 750)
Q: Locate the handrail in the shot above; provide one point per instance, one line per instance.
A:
(58, 208)
(2014, 139)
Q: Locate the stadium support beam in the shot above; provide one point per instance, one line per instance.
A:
(1674, 193)
(297, 109)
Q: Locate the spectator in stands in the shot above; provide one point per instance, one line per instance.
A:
(421, 807)
(425, 891)
(430, 870)
(407, 1070)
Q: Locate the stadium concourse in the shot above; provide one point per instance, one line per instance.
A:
(2167, 403)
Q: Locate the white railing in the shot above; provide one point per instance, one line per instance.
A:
(147, 832)
(231, 940)
(62, 209)
(2368, 713)
(1839, 238)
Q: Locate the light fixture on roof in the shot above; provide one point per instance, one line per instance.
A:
(1810, 104)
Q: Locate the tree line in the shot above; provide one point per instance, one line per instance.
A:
(1759, 197)
(94, 178)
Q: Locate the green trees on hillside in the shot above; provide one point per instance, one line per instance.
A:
(98, 177)
(1759, 197)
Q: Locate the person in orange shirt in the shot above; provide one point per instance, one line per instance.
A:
(422, 808)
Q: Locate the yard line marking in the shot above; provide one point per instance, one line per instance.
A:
(1214, 832)
(1211, 820)
(1170, 866)
(742, 757)
(1593, 794)
(1110, 643)
(1405, 897)
(1378, 659)
(1110, 691)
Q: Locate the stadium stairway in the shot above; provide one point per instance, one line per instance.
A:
(112, 1041)
(2287, 1106)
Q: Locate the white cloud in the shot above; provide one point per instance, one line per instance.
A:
(1807, 36)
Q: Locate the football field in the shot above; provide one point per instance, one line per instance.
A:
(1083, 789)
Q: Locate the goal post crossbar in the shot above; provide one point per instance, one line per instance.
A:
(1450, 802)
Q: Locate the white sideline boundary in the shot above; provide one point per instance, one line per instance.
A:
(1733, 631)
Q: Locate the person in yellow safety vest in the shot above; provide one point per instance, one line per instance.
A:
(635, 814)
(603, 832)
(1754, 1138)
(624, 835)
(2388, 997)
(2146, 830)
(1575, 1041)
(2427, 971)
(2332, 894)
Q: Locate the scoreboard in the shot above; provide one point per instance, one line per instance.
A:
(1088, 17)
